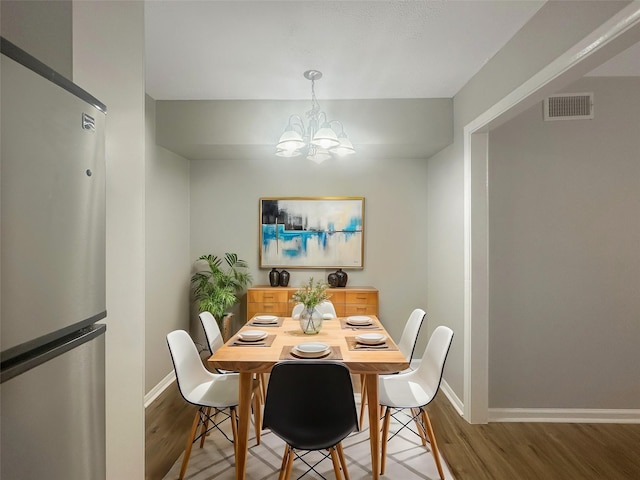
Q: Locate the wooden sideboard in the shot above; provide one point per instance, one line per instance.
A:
(263, 299)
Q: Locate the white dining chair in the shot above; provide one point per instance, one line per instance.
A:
(326, 309)
(207, 391)
(406, 344)
(414, 390)
(211, 331)
(214, 341)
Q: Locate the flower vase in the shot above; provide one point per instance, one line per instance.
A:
(310, 321)
(284, 278)
(342, 277)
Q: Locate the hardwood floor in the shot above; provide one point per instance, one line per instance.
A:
(523, 451)
(167, 423)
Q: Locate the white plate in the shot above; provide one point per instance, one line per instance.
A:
(252, 335)
(359, 320)
(311, 350)
(371, 338)
(265, 319)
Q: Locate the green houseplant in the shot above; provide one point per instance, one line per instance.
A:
(217, 287)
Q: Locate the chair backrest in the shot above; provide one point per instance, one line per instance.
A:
(190, 372)
(297, 310)
(310, 403)
(323, 308)
(211, 331)
(326, 308)
(409, 337)
(432, 365)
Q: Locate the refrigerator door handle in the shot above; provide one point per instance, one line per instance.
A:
(18, 365)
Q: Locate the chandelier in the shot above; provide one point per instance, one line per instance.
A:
(318, 141)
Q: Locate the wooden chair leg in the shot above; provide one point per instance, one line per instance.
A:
(285, 462)
(343, 462)
(234, 428)
(417, 418)
(432, 440)
(363, 398)
(292, 457)
(257, 413)
(263, 387)
(383, 439)
(336, 463)
(205, 425)
(187, 450)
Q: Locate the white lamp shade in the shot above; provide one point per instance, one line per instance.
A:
(290, 140)
(345, 148)
(325, 138)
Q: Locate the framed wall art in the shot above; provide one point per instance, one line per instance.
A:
(312, 232)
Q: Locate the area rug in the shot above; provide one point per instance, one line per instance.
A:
(407, 459)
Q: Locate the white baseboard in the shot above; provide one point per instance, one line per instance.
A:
(564, 415)
(552, 415)
(159, 388)
(453, 398)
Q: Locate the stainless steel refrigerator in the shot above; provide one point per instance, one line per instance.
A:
(52, 264)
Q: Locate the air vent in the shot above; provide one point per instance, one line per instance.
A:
(569, 106)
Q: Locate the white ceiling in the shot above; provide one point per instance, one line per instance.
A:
(366, 49)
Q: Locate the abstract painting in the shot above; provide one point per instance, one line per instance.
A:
(312, 232)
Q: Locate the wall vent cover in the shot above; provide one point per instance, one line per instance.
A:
(569, 106)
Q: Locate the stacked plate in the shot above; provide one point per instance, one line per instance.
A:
(265, 319)
(359, 320)
(311, 350)
(371, 338)
(252, 335)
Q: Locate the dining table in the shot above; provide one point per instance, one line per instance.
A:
(283, 334)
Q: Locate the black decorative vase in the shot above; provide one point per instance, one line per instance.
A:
(274, 277)
(342, 278)
(332, 280)
(284, 278)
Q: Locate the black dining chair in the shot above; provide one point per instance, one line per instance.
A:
(310, 405)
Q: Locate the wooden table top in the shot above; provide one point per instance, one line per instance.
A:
(262, 358)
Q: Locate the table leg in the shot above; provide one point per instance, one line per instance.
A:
(244, 412)
(374, 423)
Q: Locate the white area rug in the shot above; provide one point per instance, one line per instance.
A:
(407, 459)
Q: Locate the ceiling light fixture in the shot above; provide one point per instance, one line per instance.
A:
(319, 141)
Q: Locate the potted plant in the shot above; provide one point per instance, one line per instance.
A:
(310, 295)
(216, 288)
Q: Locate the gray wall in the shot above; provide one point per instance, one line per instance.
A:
(229, 129)
(167, 259)
(43, 29)
(224, 218)
(555, 27)
(564, 255)
(109, 62)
